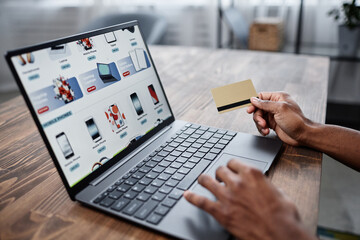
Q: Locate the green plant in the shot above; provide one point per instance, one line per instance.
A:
(351, 14)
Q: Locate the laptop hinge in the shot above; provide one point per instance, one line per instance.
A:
(123, 161)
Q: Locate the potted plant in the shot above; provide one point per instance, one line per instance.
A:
(349, 33)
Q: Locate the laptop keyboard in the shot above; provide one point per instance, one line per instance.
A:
(149, 190)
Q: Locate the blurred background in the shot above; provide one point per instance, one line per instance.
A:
(313, 27)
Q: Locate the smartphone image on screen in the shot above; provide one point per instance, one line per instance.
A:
(137, 105)
(64, 145)
(153, 94)
(93, 129)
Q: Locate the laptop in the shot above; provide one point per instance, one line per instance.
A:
(116, 144)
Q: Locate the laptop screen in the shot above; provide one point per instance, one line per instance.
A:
(93, 97)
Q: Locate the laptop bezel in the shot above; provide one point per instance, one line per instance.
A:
(72, 191)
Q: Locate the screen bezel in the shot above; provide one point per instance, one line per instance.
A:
(72, 191)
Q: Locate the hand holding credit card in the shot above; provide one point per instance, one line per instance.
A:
(233, 96)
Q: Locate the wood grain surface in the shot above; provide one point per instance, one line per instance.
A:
(34, 203)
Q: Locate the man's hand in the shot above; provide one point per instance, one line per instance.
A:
(280, 113)
(248, 205)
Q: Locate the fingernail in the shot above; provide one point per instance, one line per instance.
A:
(254, 99)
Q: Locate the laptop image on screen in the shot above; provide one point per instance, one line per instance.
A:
(117, 146)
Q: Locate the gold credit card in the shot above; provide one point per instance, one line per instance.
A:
(233, 96)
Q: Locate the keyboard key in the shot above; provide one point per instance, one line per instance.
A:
(158, 169)
(210, 156)
(220, 131)
(206, 135)
(180, 149)
(175, 165)
(170, 158)
(146, 209)
(164, 176)
(215, 150)
(130, 194)
(143, 196)
(186, 154)
(189, 164)
(232, 134)
(199, 154)
(208, 145)
(118, 182)
(194, 159)
(219, 145)
(204, 150)
(110, 189)
(165, 189)
(178, 140)
(127, 175)
(138, 175)
(171, 183)
(199, 131)
(106, 202)
(158, 196)
(101, 197)
(120, 204)
(183, 170)
(131, 208)
(175, 153)
(191, 140)
(162, 210)
(176, 194)
(212, 130)
(188, 125)
(152, 175)
(195, 135)
(213, 140)
(185, 144)
(195, 126)
(183, 136)
(123, 188)
(227, 137)
(181, 159)
(168, 202)
(138, 187)
(133, 170)
(163, 154)
(193, 175)
(201, 141)
(216, 135)
(157, 158)
(174, 144)
(204, 128)
(140, 164)
(164, 163)
(223, 141)
(191, 150)
(168, 149)
(170, 170)
(157, 183)
(152, 154)
(189, 131)
(131, 181)
(144, 169)
(150, 189)
(196, 145)
(145, 181)
(178, 176)
(115, 194)
(151, 164)
(154, 218)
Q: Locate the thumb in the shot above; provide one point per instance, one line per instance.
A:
(266, 105)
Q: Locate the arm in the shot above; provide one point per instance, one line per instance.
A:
(279, 112)
(248, 205)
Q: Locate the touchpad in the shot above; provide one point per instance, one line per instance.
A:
(225, 158)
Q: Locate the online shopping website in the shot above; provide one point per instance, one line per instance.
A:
(94, 97)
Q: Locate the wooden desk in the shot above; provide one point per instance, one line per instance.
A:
(34, 203)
